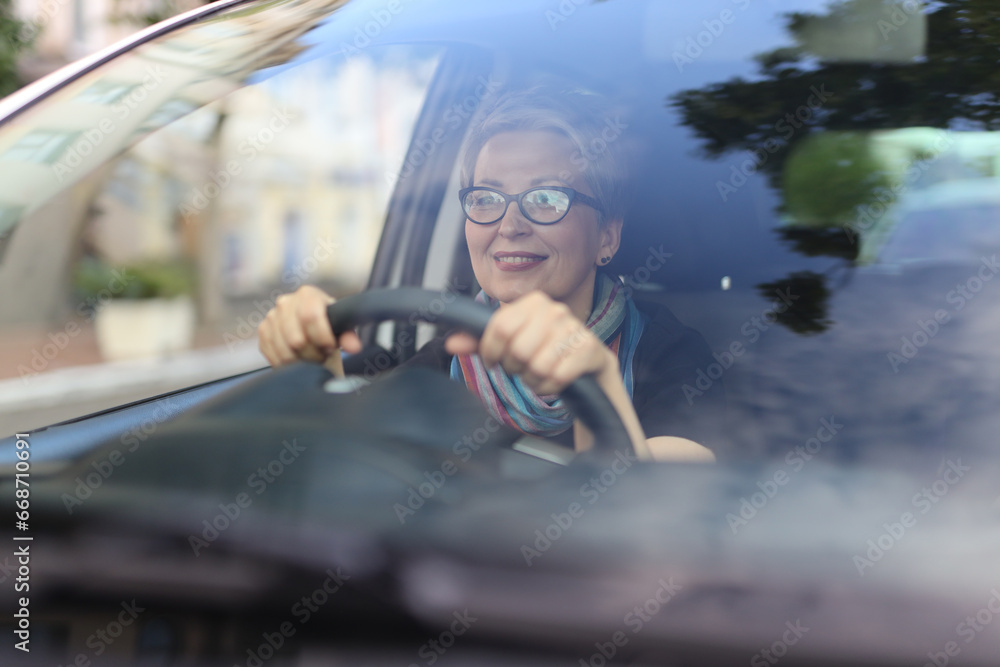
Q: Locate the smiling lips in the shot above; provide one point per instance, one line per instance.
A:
(517, 261)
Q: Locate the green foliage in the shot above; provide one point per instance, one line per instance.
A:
(15, 37)
(95, 280)
(829, 176)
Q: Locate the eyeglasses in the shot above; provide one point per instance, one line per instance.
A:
(542, 206)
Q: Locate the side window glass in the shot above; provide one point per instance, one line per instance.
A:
(190, 235)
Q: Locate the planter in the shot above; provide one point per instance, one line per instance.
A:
(144, 328)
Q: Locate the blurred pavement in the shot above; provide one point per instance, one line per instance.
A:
(76, 382)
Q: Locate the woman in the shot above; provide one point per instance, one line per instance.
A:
(544, 214)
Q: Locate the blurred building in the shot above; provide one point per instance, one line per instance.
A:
(281, 180)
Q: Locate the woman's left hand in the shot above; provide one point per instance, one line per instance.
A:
(542, 341)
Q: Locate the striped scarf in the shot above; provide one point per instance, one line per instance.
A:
(614, 319)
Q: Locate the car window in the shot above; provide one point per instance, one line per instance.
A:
(167, 253)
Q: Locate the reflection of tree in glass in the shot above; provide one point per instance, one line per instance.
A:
(817, 242)
(956, 84)
(957, 79)
(808, 313)
(829, 177)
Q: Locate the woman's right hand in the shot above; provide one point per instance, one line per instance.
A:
(297, 329)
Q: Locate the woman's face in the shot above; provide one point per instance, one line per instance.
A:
(561, 259)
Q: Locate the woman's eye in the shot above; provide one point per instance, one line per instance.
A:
(485, 200)
(547, 200)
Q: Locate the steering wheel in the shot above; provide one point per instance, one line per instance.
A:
(584, 397)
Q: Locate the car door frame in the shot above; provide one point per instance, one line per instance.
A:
(417, 199)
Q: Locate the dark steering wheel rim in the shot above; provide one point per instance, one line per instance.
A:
(584, 397)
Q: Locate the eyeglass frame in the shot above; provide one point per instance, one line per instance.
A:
(573, 195)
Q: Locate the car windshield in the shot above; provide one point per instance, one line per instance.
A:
(808, 256)
(813, 191)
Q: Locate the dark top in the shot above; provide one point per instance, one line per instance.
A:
(668, 357)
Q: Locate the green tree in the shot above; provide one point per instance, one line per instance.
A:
(15, 37)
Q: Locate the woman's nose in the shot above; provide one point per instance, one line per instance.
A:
(513, 223)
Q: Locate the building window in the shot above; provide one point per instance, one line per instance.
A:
(41, 146)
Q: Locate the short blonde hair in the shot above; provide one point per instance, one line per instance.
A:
(583, 117)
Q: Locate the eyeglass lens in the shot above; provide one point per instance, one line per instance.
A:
(539, 205)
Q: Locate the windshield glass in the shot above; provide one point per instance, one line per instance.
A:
(812, 191)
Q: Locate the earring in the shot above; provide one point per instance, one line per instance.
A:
(605, 260)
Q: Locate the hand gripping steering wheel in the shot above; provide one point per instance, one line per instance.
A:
(584, 397)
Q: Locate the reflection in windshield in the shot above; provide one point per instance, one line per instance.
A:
(891, 175)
